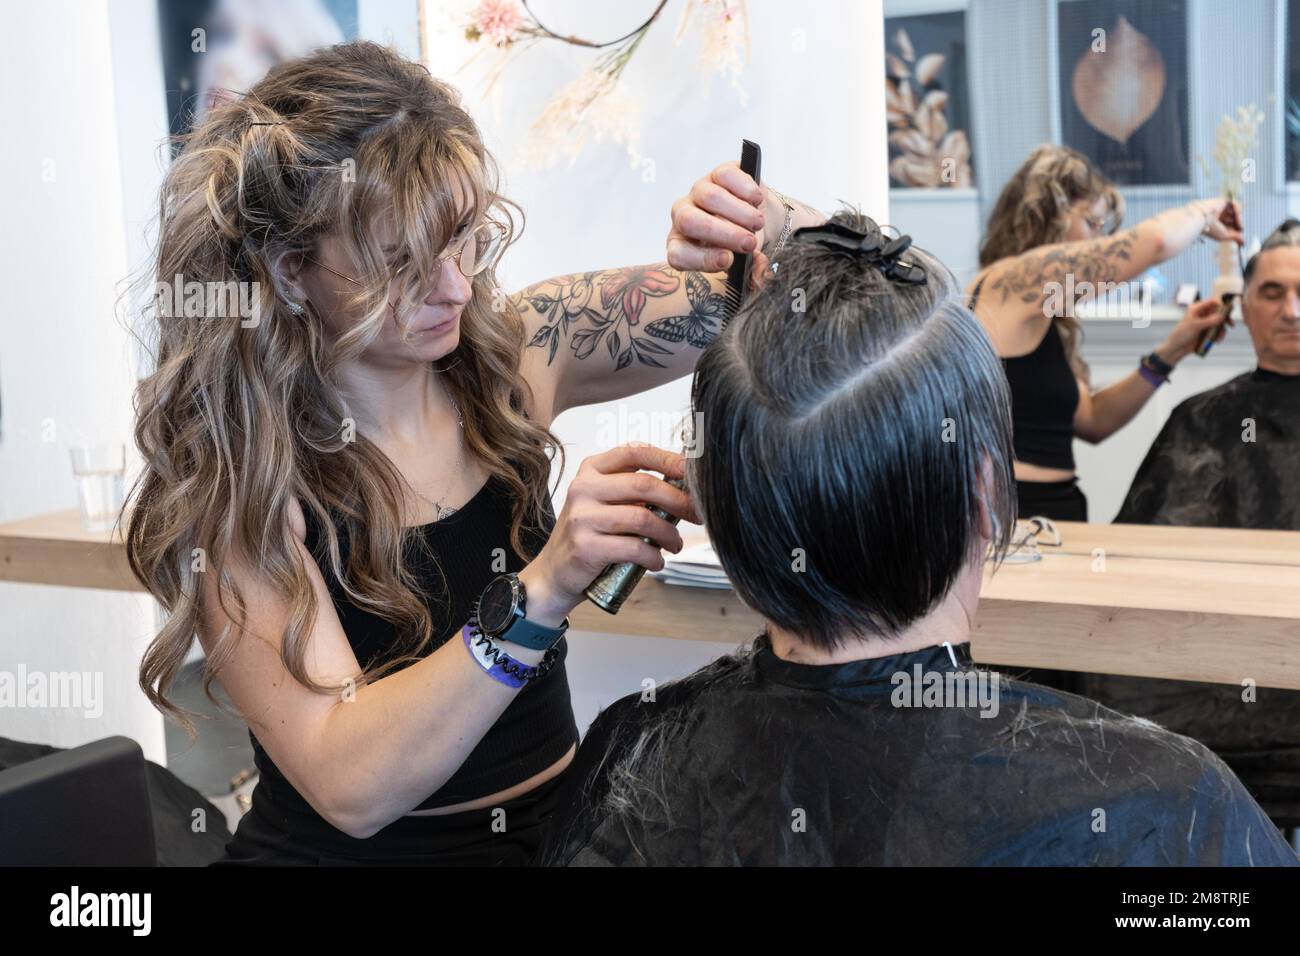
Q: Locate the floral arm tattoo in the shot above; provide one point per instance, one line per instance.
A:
(609, 334)
(1101, 260)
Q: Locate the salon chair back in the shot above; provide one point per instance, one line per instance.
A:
(88, 806)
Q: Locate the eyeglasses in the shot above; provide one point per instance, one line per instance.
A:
(476, 252)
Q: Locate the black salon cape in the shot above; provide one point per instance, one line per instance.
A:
(1200, 472)
(756, 761)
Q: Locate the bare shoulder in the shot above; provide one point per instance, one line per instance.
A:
(985, 306)
(1010, 304)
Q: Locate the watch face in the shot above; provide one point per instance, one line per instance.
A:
(496, 605)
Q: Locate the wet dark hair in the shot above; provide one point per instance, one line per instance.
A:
(843, 446)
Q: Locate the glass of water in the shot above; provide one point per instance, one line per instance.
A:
(100, 471)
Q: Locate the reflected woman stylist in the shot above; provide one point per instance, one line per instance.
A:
(1052, 231)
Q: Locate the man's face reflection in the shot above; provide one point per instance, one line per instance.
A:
(1271, 309)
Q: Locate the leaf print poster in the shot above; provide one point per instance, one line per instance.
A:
(1123, 87)
(927, 104)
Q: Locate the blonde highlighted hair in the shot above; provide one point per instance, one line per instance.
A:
(237, 421)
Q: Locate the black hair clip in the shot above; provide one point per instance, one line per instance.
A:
(877, 248)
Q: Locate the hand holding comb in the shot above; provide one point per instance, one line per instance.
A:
(751, 159)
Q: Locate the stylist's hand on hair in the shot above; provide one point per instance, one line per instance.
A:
(724, 213)
(1222, 219)
(602, 522)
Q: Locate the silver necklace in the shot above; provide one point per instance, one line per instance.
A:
(439, 511)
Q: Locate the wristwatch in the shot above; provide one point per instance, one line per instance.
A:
(500, 614)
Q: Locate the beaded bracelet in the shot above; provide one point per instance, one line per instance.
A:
(1152, 377)
(499, 665)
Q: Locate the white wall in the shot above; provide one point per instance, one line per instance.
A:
(944, 222)
(814, 105)
(65, 363)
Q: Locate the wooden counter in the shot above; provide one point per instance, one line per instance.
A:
(1211, 604)
(1190, 603)
(54, 549)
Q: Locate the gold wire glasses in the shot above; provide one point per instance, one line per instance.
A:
(476, 252)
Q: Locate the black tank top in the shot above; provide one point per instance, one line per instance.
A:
(1044, 398)
(538, 727)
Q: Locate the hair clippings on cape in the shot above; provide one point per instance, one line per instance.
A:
(877, 248)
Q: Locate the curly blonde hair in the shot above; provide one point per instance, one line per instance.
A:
(237, 421)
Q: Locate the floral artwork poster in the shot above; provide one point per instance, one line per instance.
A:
(927, 103)
(1123, 87)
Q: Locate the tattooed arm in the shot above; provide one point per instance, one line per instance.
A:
(1022, 293)
(599, 336)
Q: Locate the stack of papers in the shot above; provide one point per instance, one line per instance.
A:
(695, 566)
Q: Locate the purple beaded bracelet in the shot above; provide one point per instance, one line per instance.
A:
(499, 665)
(1148, 374)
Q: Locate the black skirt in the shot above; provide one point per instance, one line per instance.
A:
(1058, 500)
(508, 835)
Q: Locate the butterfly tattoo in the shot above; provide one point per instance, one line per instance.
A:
(701, 325)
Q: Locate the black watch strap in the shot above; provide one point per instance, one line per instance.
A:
(1159, 365)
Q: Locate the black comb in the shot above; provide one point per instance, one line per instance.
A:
(751, 158)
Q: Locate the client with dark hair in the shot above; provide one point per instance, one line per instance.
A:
(854, 473)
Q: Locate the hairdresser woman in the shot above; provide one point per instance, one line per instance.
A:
(1056, 219)
(334, 485)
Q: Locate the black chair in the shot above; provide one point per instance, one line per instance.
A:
(88, 806)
